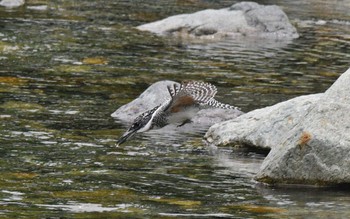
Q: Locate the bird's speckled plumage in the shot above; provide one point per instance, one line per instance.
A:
(184, 102)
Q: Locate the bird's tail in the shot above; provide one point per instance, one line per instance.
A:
(214, 103)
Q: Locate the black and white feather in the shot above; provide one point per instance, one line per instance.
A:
(185, 100)
(202, 93)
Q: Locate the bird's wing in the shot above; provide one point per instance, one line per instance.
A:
(190, 93)
(173, 90)
(203, 94)
(200, 91)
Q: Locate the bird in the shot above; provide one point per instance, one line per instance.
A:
(184, 101)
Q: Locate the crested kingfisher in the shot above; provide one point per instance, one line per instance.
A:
(184, 101)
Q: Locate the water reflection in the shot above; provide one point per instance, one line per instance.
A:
(86, 207)
(67, 66)
(316, 202)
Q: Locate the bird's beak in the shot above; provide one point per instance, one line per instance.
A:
(125, 137)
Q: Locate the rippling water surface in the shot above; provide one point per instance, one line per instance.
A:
(65, 66)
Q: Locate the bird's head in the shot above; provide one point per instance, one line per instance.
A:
(142, 123)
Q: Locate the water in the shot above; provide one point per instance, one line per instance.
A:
(67, 65)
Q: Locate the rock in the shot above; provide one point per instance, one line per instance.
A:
(155, 95)
(151, 97)
(262, 127)
(240, 20)
(11, 3)
(309, 137)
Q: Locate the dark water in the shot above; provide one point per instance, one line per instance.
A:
(66, 67)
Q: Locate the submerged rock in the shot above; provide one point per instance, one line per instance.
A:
(240, 20)
(309, 137)
(157, 94)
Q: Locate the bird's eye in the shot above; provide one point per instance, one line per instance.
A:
(135, 125)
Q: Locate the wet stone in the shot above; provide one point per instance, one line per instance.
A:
(308, 137)
(244, 19)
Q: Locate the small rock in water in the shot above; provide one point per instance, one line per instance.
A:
(11, 3)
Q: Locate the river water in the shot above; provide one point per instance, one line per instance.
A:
(65, 66)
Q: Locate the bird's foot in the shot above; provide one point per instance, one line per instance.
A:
(185, 122)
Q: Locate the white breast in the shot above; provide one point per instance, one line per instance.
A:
(149, 123)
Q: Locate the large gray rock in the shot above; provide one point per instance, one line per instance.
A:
(240, 20)
(309, 137)
(262, 127)
(156, 94)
